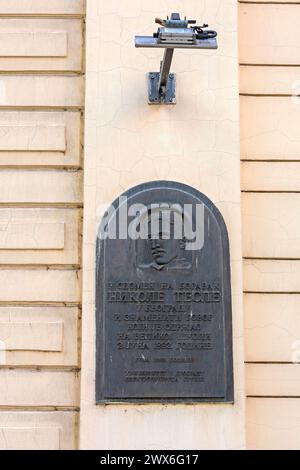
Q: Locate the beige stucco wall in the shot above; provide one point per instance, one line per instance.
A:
(41, 101)
(270, 153)
(126, 143)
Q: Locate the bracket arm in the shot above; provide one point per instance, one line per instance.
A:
(162, 84)
(165, 70)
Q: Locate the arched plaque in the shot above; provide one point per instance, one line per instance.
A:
(163, 299)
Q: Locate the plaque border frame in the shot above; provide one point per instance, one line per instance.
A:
(228, 398)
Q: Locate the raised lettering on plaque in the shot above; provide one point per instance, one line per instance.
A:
(164, 326)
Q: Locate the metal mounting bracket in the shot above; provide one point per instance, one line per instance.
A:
(176, 33)
(162, 85)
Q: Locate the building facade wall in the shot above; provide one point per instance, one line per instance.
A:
(41, 102)
(127, 143)
(44, 140)
(269, 42)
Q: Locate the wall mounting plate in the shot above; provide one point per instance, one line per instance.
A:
(154, 96)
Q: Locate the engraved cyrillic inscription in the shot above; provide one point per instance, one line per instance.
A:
(164, 304)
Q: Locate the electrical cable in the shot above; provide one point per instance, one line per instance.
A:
(201, 34)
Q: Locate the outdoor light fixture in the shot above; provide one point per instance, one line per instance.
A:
(174, 33)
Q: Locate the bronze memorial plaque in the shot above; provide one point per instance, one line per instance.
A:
(163, 295)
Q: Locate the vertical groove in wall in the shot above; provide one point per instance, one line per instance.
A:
(80, 241)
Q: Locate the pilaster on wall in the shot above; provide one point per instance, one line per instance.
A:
(41, 103)
(270, 153)
(127, 143)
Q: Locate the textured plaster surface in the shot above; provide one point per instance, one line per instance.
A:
(127, 143)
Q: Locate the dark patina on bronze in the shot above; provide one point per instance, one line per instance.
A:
(163, 313)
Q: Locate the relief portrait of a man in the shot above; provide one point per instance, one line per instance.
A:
(166, 242)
